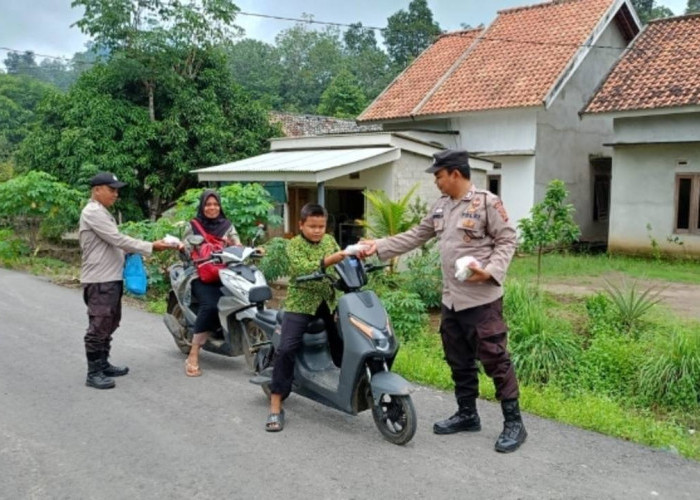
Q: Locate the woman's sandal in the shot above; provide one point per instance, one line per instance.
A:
(192, 370)
(275, 422)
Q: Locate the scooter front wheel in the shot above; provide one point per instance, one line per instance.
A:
(395, 417)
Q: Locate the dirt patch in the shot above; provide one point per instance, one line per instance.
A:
(681, 298)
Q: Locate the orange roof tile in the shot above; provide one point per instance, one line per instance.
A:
(515, 62)
(410, 87)
(659, 71)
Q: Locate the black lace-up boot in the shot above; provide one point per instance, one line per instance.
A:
(110, 370)
(514, 432)
(465, 420)
(96, 377)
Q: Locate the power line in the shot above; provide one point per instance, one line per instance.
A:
(310, 20)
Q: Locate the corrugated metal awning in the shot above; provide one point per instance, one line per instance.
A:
(312, 166)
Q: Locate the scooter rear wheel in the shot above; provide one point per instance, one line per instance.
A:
(183, 340)
(395, 417)
(251, 340)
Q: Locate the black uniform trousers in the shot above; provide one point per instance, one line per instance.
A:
(293, 328)
(104, 308)
(478, 333)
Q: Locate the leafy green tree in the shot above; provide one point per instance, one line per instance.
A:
(155, 39)
(103, 123)
(408, 33)
(21, 63)
(693, 6)
(369, 64)
(648, 10)
(257, 67)
(309, 61)
(343, 98)
(551, 224)
(19, 97)
(37, 204)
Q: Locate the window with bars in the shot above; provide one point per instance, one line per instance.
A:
(687, 203)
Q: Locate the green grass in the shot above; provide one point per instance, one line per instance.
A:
(422, 362)
(582, 268)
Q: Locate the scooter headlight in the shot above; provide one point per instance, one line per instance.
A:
(379, 339)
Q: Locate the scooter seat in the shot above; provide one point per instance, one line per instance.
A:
(316, 326)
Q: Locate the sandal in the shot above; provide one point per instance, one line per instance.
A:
(192, 370)
(275, 422)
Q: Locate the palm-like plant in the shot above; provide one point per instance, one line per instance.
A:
(386, 217)
(630, 303)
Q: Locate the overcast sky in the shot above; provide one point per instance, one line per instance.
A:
(44, 26)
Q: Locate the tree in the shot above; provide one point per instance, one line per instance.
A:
(21, 64)
(19, 97)
(156, 37)
(693, 6)
(309, 61)
(343, 98)
(104, 123)
(409, 33)
(256, 66)
(370, 65)
(36, 203)
(551, 224)
(648, 10)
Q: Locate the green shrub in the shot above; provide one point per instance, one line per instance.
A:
(608, 367)
(541, 345)
(424, 277)
(602, 319)
(11, 246)
(670, 375)
(407, 313)
(275, 263)
(246, 205)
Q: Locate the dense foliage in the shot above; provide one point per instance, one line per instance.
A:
(37, 204)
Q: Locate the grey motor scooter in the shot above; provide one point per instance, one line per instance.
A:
(363, 380)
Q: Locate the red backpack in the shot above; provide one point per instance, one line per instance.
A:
(208, 271)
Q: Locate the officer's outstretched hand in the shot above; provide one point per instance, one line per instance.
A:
(370, 247)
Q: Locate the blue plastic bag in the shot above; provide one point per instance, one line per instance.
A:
(135, 278)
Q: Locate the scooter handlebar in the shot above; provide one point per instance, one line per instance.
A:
(318, 275)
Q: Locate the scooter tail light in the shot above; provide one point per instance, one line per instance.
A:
(364, 328)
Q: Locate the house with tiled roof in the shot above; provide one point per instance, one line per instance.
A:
(652, 96)
(512, 93)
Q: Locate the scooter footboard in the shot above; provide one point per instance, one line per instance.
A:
(389, 383)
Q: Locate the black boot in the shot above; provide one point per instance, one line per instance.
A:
(466, 419)
(514, 432)
(96, 377)
(110, 370)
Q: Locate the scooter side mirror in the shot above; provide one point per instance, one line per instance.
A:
(195, 240)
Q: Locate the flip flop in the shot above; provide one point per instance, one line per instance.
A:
(192, 370)
(275, 422)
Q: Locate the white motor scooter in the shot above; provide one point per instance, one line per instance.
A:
(245, 290)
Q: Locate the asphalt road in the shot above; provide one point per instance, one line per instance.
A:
(159, 434)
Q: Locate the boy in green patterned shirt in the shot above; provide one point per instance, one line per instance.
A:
(307, 252)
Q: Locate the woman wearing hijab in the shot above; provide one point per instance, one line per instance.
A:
(210, 218)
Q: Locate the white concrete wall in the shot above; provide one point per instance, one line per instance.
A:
(503, 130)
(659, 128)
(565, 143)
(643, 192)
(517, 184)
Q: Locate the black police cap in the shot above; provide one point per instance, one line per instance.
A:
(107, 179)
(452, 159)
